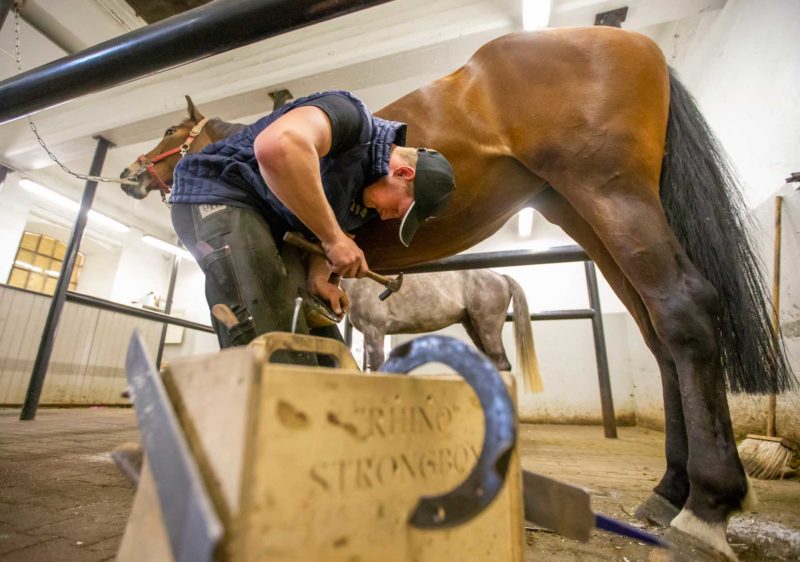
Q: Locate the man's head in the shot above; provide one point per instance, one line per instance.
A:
(419, 186)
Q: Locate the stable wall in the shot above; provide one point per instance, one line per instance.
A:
(86, 367)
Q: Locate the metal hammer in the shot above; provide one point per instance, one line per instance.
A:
(299, 241)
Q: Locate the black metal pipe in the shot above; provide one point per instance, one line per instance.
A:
(499, 259)
(5, 7)
(103, 304)
(603, 377)
(578, 314)
(57, 304)
(208, 30)
(167, 309)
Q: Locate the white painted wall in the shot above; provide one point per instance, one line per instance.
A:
(13, 216)
(742, 64)
(189, 302)
(140, 270)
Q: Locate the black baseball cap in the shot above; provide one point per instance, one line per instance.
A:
(433, 189)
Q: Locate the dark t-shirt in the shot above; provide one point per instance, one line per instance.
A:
(345, 120)
(227, 172)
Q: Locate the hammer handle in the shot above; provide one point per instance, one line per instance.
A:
(301, 242)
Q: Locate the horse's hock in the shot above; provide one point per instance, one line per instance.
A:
(314, 464)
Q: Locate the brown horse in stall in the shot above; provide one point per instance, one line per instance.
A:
(590, 127)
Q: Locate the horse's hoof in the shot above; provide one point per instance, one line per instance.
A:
(128, 458)
(656, 510)
(688, 548)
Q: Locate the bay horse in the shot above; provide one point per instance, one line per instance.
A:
(478, 299)
(592, 128)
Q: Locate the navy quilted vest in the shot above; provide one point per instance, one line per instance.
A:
(226, 172)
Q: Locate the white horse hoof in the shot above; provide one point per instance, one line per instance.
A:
(698, 539)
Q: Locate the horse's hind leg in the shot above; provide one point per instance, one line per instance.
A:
(622, 205)
(487, 298)
(673, 489)
(373, 345)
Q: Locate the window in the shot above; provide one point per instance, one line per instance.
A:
(38, 264)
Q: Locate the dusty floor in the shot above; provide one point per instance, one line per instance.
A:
(620, 473)
(61, 497)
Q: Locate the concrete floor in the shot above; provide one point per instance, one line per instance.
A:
(62, 498)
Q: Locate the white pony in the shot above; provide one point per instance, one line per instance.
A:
(476, 298)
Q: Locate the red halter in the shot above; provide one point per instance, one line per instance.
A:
(183, 149)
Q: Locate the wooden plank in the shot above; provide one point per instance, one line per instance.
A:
(115, 348)
(210, 394)
(87, 388)
(114, 355)
(32, 327)
(145, 535)
(26, 331)
(6, 296)
(64, 373)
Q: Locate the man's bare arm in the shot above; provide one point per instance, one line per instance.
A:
(288, 153)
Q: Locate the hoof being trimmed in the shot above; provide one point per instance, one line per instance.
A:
(698, 539)
(656, 510)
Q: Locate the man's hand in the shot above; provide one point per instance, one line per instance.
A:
(345, 257)
(318, 285)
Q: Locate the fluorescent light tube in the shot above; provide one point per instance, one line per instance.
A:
(525, 224)
(166, 246)
(67, 203)
(535, 14)
(108, 222)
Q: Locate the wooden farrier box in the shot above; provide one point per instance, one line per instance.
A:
(320, 464)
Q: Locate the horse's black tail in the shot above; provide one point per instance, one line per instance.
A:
(705, 208)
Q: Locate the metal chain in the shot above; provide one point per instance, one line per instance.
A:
(36, 131)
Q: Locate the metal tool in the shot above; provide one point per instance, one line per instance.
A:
(485, 481)
(192, 524)
(567, 510)
(299, 241)
(298, 302)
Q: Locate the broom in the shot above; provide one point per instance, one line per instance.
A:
(767, 456)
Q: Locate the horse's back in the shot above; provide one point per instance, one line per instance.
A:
(426, 302)
(528, 109)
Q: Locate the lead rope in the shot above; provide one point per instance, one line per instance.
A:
(36, 131)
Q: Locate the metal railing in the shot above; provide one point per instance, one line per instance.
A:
(564, 254)
(208, 30)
